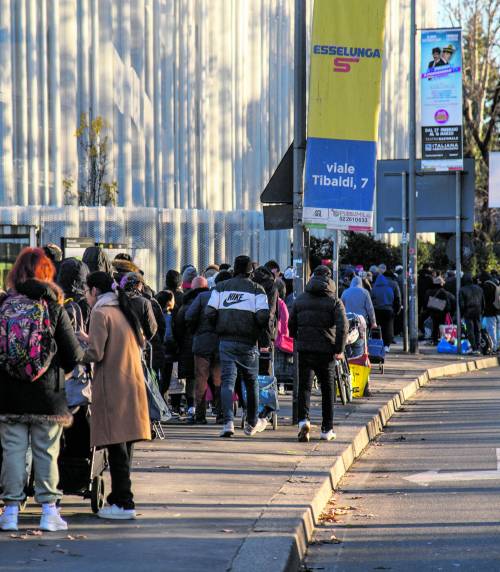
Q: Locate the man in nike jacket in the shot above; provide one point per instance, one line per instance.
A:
(240, 310)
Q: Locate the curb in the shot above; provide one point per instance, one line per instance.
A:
(280, 536)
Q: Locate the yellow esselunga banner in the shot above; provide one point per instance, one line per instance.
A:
(344, 106)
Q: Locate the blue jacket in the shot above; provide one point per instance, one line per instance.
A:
(357, 300)
(386, 295)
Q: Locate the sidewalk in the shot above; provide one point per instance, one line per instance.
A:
(238, 504)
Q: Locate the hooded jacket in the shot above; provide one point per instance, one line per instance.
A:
(96, 259)
(265, 278)
(240, 310)
(44, 399)
(205, 338)
(385, 294)
(72, 278)
(471, 298)
(357, 300)
(317, 321)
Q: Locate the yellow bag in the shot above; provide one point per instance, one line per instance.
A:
(360, 376)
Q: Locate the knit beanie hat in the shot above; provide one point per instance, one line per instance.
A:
(188, 276)
(243, 265)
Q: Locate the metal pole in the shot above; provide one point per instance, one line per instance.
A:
(336, 266)
(458, 253)
(299, 150)
(404, 250)
(412, 275)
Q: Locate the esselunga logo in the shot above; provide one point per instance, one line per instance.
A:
(344, 57)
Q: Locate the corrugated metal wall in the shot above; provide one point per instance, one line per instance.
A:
(197, 95)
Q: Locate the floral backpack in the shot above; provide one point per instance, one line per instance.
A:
(27, 345)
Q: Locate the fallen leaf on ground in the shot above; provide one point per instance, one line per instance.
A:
(356, 498)
(18, 536)
(187, 491)
(34, 533)
(401, 438)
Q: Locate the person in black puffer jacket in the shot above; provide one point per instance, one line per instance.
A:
(266, 279)
(319, 326)
(471, 300)
(205, 348)
(35, 412)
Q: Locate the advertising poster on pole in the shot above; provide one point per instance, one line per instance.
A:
(441, 100)
(494, 180)
(343, 115)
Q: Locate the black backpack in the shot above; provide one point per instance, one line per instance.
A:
(486, 343)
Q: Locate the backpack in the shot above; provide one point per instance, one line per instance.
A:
(496, 299)
(27, 345)
(354, 328)
(486, 343)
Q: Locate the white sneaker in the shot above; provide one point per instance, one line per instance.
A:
(262, 423)
(387, 349)
(328, 435)
(52, 522)
(114, 512)
(8, 520)
(304, 430)
(227, 430)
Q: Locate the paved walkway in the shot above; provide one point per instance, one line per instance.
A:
(208, 503)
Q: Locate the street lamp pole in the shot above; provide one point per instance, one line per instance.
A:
(412, 277)
(299, 150)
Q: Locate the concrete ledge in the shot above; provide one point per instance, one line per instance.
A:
(279, 539)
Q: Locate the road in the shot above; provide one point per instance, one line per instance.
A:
(425, 496)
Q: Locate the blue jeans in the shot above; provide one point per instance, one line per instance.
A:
(492, 325)
(238, 357)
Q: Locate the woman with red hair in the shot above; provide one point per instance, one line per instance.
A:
(37, 347)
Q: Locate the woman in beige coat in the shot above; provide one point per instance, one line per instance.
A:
(120, 414)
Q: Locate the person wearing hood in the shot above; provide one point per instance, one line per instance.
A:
(133, 284)
(173, 282)
(120, 414)
(72, 278)
(386, 299)
(265, 277)
(491, 311)
(188, 275)
(205, 350)
(319, 326)
(97, 260)
(184, 337)
(34, 412)
(123, 264)
(471, 300)
(357, 300)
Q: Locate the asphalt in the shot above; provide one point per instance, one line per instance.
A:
(424, 496)
(239, 504)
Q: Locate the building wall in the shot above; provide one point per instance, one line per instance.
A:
(197, 95)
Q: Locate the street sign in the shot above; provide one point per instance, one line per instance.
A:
(435, 200)
(441, 99)
(277, 197)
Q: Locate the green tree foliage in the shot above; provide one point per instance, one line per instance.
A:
(364, 249)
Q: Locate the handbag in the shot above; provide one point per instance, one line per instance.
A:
(435, 303)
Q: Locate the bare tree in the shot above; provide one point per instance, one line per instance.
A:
(94, 143)
(480, 22)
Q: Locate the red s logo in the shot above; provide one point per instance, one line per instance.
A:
(343, 64)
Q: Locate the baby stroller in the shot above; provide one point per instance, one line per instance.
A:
(158, 409)
(268, 391)
(81, 466)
